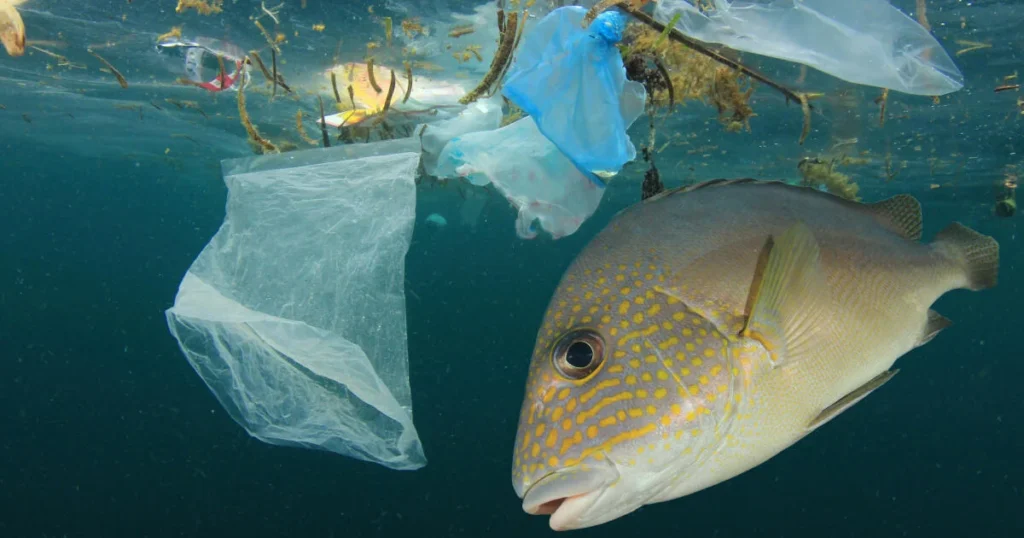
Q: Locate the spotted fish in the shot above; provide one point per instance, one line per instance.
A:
(709, 328)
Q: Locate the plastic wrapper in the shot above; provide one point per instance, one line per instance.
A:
(866, 42)
(294, 313)
(535, 177)
(572, 82)
(201, 62)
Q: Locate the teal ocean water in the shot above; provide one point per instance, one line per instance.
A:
(108, 431)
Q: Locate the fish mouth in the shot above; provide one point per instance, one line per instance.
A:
(567, 494)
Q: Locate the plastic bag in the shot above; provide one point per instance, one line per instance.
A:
(483, 115)
(572, 82)
(530, 172)
(294, 313)
(865, 41)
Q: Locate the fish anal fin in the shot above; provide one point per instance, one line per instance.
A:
(935, 324)
(787, 296)
(846, 402)
(978, 254)
(902, 213)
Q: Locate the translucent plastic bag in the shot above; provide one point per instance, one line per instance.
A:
(294, 313)
(483, 115)
(864, 41)
(572, 82)
(530, 171)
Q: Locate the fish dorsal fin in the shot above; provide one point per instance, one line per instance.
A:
(846, 402)
(786, 300)
(936, 322)
(697, 186)
(902, 213)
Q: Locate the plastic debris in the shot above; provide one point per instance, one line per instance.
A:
(865, 42)
(201, 58)
(530, 171)
(572, 82)
(294, 313)
(484, 115)
(356, 87)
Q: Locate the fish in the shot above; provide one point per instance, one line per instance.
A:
(708, 328)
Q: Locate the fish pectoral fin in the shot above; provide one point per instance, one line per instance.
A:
(844, 403)
(788, 297)
(936, 322)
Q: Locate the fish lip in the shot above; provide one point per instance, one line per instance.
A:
(572, 498)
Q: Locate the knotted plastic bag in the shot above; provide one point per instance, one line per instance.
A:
(572, 82)
(864, 41)
(294, 313)
(528, 169)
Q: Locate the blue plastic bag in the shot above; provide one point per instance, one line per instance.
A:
(573, 84)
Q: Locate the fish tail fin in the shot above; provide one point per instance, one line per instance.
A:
(976, 254)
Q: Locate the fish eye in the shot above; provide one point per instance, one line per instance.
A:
(578, 354)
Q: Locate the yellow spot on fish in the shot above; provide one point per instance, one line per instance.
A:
(566, 424)
(684, 372)
(651, 410)
(670, 342)
(606, 319)
(607, 421)
(662, 375)
(641, 393)
(557, 413)
(634, 363)
(696, 362)
(625, 291)
(631, 379)
(646, 376)
(552, 438)
(571, 406)
(535, 451)
(651, 359)
(619, 354)
(564, 393)
(636, 413)
(624, 308)
(638, 318)
(709, 352)
(616, 369)
(592, 432)
(549, 394)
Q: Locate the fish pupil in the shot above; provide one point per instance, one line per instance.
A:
(579, 355)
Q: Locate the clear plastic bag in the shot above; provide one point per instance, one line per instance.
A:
(534, 176)
(482, 115)
(864, 41)
(572, 82)
(294, 313)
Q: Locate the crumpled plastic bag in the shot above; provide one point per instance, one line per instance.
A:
(482, 115)
(862, 41)
(294, 313)
(572, 82)
(530, 171)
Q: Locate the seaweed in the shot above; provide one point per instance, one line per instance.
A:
(266, 146)
(302, 129)
(819, 173)
(203, 7)
(120, 78)
(509, 37)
